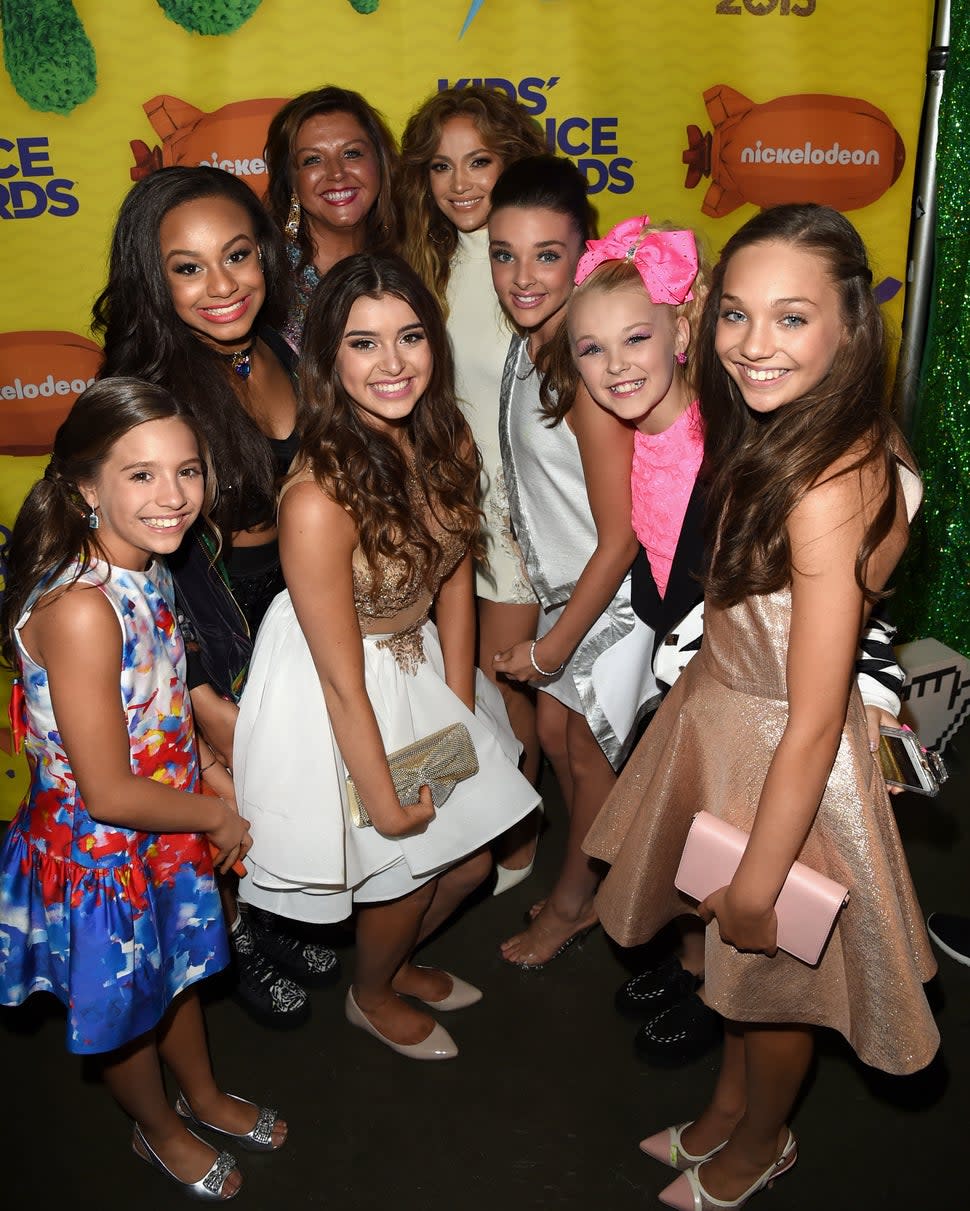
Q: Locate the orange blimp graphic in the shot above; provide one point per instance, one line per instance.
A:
(812, 147)
(232, 138)
(41, 375)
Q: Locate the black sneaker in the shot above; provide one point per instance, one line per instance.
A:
(952, 934)
(656, 989)
(682, 1033)
(261, 988)
(312, 964)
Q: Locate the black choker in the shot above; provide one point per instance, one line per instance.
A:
(241, 362)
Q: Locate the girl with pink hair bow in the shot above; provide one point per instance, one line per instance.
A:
(809, 493)
(631, 318)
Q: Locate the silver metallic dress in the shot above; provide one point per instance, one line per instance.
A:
(608, 678)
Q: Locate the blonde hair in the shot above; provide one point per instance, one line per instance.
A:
(560, 378)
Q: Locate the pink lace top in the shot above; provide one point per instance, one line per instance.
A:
(665, 467)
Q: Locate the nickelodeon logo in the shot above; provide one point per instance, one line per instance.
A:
(188, 136)
(41, 375)
(807, 155)
(847, 154)
(21, 390)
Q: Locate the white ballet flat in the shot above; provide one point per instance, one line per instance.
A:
(439, 1045)
(461, 996)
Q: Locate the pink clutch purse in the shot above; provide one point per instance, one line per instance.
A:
(806, 908)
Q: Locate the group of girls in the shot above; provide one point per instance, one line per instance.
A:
(332, 508)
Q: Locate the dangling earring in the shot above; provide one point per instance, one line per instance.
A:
(681, 359)
(292, 226)
(94, 521)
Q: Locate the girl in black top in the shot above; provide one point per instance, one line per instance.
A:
(197, 278)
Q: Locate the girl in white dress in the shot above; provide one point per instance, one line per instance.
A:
(378, 524)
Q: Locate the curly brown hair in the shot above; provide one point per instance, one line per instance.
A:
(760, 467)
(361, 468)
(507, 131)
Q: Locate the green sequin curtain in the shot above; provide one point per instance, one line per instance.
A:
(933, 586)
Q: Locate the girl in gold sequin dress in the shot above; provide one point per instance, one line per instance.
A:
(810, 496)
(378, 524)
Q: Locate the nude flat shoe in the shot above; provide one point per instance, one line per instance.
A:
(439, 1045)
(461, 996)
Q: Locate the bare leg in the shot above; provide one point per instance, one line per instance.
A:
(775, 1064)
(183, 1047)
(134, 1078)
(720, 1117)
(569, 907)
(552, 718)
(451, 889)
(501, 626)
(386, 936)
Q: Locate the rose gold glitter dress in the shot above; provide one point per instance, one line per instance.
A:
(709, 747)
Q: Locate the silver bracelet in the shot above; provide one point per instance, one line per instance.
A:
(542, 672)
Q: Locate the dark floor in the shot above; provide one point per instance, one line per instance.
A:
(545, 1104)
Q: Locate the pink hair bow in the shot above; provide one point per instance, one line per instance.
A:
(665, 260)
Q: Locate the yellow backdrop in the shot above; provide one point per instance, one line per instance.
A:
(692, 110)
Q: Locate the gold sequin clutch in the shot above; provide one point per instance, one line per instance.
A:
(439, 761)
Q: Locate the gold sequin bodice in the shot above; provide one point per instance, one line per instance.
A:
(394, 605)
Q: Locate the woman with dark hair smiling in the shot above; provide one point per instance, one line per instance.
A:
(332, 165)
(196, 274)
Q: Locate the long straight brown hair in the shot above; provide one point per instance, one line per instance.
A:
(52, 529)
(759, 467)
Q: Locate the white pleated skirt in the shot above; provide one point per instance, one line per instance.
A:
(308, 861)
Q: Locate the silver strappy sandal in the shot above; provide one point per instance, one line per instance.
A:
(208, 1187)
(258, 1139)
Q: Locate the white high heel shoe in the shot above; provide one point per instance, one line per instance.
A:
(505, 877)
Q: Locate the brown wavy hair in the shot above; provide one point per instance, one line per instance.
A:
(360, 467)
(506, 129)
(383, 233)
(759, 467)
(561, 377)
(52, 528)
